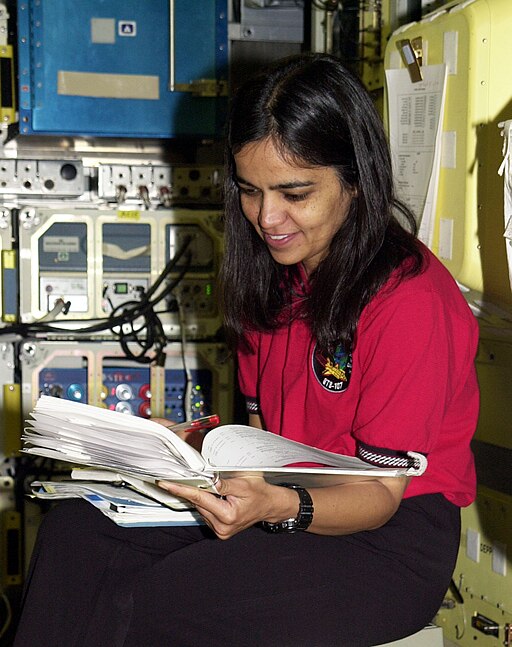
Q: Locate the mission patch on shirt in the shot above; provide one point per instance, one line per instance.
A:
(332, 371)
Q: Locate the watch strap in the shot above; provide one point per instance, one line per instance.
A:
(303, 519)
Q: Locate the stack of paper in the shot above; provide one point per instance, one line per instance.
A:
(124, 506)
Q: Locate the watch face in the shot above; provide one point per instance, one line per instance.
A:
(288, 525)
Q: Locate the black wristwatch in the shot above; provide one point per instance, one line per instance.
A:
(301, 521)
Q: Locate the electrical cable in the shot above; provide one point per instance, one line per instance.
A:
(187, 396)
(126, 314)
(60, 306)
(155, 336)
(8, 618)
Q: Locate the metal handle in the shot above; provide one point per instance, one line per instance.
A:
(197, 87)
(172, 71)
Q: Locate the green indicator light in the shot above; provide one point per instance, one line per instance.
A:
(120, 288)
(208, 290)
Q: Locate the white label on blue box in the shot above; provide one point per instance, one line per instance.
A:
(127, 28)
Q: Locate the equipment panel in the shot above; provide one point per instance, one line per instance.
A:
(158, 185)
(9, 406)
(194, 381)
(9, 270)
(93, 270)
(44, 178)
(477, 609)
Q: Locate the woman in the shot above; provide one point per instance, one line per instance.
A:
(351, 337)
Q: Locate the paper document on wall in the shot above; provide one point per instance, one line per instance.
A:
(415, 131)
(506, 170)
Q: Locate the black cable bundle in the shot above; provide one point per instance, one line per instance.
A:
(145, 332)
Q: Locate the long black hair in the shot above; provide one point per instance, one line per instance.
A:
(318, 114)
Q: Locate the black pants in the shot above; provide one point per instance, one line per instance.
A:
(94, 584)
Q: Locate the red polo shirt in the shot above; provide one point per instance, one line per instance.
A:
(409, 385)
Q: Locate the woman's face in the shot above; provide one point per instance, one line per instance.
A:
(296, 210)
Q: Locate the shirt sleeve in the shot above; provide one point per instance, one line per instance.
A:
(248, 370)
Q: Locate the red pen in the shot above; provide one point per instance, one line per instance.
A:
(206, 422)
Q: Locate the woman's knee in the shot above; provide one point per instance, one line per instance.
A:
(70, 518)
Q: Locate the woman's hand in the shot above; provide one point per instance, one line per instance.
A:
(240, 503)
(339, 509)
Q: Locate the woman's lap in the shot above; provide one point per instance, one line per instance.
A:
(98, 584)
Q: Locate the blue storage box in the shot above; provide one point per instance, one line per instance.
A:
(123, 67)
